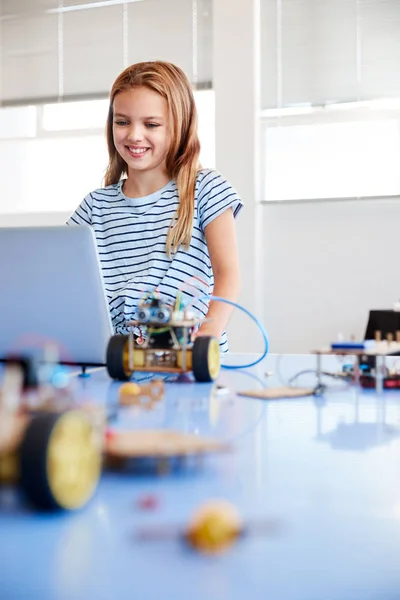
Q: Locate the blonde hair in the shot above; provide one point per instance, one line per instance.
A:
(183, 157)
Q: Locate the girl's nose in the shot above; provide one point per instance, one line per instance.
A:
(135, 133)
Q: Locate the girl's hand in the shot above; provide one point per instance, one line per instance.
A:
(207, 329)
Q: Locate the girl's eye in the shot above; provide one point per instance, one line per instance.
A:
(120, 122)
(152, 125)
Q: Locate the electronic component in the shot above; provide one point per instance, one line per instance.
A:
(154, 312)
(353, 345)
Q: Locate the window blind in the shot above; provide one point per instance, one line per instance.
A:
(318, 52)
(52, 50)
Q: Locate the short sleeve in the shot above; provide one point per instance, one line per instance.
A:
(214, 196)
(83, 214)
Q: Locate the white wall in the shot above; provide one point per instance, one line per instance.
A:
(236, 84)
(326, 265)
(33, 219)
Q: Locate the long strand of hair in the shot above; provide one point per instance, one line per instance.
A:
(184, 169)
(116, 166)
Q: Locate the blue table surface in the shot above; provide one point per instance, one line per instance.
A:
(326, 468)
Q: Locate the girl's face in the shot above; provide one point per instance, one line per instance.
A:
(141, 130)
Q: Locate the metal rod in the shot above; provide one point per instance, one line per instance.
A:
(130, 348)
(379, 369)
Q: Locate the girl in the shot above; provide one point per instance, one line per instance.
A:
(168, 224)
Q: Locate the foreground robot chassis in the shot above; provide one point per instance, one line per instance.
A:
(167, 347)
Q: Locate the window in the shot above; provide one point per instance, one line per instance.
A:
(55, 154)
(330, 99)
(18, 122)
(70, 116)
(52, 120)
(310, 158)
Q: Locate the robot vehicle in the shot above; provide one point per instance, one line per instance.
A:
(167, 347)
(49, 449)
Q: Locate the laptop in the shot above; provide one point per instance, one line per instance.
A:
(52, 294)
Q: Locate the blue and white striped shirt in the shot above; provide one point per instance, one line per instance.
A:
(131, 235)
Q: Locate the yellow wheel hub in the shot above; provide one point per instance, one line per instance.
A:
(73, 460)
(126, 359)
(213, 358)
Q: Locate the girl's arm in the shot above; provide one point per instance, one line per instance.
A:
(222, 246)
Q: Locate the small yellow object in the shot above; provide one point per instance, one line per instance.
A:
(129, 389)
(145, 395)
(214, 527)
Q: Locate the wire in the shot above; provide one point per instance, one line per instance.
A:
(337, 376)
(252, 317)
(161, 330)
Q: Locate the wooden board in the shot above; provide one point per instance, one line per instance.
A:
(159, 443)
(169, 324)
(277, 392)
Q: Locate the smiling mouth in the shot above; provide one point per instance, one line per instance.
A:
(137, 152)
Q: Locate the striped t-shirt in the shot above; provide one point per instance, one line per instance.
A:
(131, 236)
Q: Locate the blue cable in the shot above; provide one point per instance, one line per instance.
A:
(249, 314)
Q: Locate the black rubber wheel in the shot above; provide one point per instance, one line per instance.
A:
(205, 358)
(115, 358)
(60, 460)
